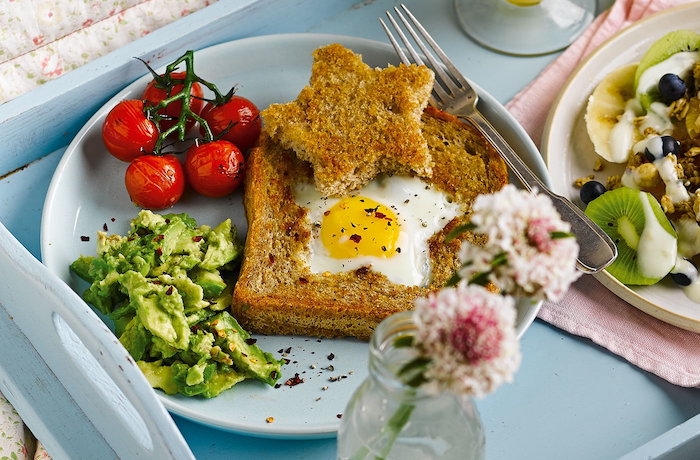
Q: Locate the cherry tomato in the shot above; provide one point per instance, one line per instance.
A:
(215, 168)
(155, 181)
(239, 120)
(154, 94)
(127, 133)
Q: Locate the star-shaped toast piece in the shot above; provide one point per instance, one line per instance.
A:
(353, 122)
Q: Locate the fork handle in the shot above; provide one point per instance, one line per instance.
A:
(596, 248)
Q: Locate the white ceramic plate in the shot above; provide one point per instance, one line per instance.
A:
(87, 194)
(569, 153)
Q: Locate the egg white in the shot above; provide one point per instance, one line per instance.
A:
(422, 211)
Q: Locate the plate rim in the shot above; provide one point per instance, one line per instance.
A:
(298, 40)
(624, 292)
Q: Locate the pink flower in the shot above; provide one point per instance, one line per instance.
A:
(529, 250)
(539, 234)
(475, 335)
(465, 334)
(468, 334)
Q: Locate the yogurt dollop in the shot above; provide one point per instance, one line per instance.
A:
(657, 249)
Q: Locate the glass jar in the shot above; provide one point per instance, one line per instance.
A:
(388, 419)
(525, 27)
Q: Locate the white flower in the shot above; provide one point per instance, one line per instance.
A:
(468, 334)
(529, 250)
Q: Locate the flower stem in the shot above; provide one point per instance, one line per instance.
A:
(388, 434)
(396, 424)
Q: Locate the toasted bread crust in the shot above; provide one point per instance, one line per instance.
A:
(276, 292)
(353, 122)
(465, 166)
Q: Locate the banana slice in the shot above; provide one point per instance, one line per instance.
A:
(608, 120)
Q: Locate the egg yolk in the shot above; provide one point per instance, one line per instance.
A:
(359, 226)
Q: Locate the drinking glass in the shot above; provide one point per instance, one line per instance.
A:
(525, 27)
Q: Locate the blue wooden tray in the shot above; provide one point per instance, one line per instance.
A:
(570, 398)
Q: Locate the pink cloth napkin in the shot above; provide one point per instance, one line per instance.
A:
(589, 309)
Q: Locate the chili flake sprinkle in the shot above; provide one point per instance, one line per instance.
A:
(294, 381)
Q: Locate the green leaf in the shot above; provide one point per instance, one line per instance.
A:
(412, 373)
(480, 279)
(458, 231)
(559, 235)
(500, 259)
(453, 280)
(404, 341)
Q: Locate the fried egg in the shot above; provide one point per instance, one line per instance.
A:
(384, 226)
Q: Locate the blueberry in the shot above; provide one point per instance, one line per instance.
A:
(591, 190)
(671, 88)
(658, 147)
(681, 279)
(684, 273)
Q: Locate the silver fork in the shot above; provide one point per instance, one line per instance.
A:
(454, 94)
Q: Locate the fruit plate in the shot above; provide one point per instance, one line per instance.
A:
(87, 194)
(569, 154)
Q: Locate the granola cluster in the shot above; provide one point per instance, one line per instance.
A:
(685, 117)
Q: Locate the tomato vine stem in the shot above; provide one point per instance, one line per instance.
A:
(166, 81)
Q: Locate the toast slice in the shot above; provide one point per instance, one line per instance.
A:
(353, 122)
(277, 293)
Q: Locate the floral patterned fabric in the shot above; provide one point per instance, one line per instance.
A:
(16, 441)
(43, 39)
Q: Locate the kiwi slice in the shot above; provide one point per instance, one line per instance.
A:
(620, 213)
(662, 49)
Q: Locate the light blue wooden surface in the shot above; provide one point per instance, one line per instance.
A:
(63, 370)
(571, 399)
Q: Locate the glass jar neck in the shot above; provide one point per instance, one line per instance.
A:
(386, 358)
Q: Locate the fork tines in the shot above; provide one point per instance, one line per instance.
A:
(449, 82)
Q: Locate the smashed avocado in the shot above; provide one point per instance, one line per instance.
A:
(166, 285)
